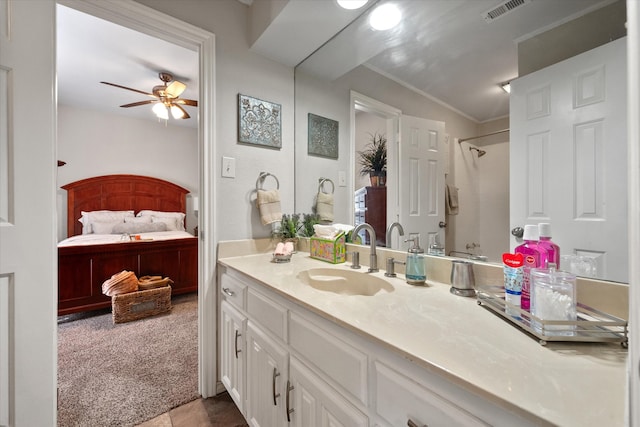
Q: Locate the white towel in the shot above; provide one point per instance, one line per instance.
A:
(268, 203)
(324, 206)
(451, 195)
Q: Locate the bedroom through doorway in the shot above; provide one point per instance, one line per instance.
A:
(96, 137)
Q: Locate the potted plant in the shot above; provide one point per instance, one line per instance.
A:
(373, 160)
(289, 229)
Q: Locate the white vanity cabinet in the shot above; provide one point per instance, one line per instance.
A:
(267, 373)
(304, 370)
(400, 400)
(233, 325)
(271, 386)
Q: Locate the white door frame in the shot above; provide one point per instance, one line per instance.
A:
(392, 115)
(149, 21)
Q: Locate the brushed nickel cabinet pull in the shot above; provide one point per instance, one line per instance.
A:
(289, 409)
(412, 424)
(228, 292)
(238, 334)
(275, 395)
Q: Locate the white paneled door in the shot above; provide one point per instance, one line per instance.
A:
(28, 280)
(569, 156)
(421, 178)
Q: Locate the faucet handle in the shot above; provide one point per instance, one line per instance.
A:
(355, 259)
(391, 262)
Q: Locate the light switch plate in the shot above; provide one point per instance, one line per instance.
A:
(228, 167)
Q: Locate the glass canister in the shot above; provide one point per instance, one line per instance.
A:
(553, 297)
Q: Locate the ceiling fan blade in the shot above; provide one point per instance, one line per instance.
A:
(190, 102)
(136, 104)
(185, 115)
(128, 88)
(175, 88)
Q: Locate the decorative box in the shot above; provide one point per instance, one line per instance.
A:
(140, 304)
(330, 250)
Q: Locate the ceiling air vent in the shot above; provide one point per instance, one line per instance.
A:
(503, 9)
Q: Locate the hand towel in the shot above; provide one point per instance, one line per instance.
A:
(268, 203)
(451, 195)
(324, 206)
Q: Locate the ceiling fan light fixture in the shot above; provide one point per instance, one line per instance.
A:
(351, 4)
(161, 111)
(176, 112)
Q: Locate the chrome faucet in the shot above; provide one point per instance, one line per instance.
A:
(373, 257)
(390, 229)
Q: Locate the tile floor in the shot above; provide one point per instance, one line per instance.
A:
(218, 411)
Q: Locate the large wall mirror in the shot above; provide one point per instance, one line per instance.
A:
(442, 67)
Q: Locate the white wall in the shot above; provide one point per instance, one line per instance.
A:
(94, 144)
(238, 70)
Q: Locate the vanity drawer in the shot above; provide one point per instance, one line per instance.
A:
(267, 313)
(337, 359)
(233, 290)
(399, 399)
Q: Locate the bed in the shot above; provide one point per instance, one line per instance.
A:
(88, 257)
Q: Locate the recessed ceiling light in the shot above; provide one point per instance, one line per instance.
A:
(351, 4)
(385, 17)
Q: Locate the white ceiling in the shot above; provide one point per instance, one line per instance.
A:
(440, 49)
(91, 50)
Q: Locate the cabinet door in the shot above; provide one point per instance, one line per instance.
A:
(267, 372)
(313, 403)
(399, 399)
(232, 352)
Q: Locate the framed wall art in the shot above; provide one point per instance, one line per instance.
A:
(259, 122)
(323, 136)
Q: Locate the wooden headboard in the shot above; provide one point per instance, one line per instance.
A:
(119, 193)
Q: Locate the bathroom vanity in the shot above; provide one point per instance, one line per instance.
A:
(292, 354)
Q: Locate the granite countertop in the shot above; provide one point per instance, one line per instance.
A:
(561, 383)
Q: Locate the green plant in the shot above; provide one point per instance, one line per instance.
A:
(308, 221)
(289, 227)
(373, 159)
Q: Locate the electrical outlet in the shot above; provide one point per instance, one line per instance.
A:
(228, 167)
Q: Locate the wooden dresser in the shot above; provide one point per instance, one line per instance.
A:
(371, 207)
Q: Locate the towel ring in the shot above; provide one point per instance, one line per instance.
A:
(262, 177)
(322, 181)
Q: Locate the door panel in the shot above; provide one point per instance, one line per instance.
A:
(27, 214)
(421, 177)
(569, 156)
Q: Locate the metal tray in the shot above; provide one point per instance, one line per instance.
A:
(591, 326)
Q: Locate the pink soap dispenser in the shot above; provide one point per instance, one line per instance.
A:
(553, 250)
(535, 256)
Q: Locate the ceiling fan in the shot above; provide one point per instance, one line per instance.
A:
(167, 98)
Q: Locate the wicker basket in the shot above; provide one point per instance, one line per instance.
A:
(140, 304)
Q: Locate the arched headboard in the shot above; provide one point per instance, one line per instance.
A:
(119, 193)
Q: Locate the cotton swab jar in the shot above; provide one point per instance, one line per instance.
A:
(553, 297)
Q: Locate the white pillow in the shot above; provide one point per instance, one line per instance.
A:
(141, 227)
(102, 216)
(139, 220)
(104, 227)
(179, 216)
(172, 223)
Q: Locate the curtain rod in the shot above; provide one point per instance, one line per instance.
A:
(482, 136)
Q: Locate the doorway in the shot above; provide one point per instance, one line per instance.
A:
(148, 21)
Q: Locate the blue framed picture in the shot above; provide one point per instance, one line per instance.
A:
(323, 136)
(259, 122)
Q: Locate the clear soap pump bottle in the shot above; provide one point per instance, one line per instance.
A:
(415, 270)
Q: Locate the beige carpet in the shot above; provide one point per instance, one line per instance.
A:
(124, 374)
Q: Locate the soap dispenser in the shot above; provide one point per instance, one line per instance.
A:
(415, 270)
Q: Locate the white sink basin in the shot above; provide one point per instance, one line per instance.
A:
(345, 282)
